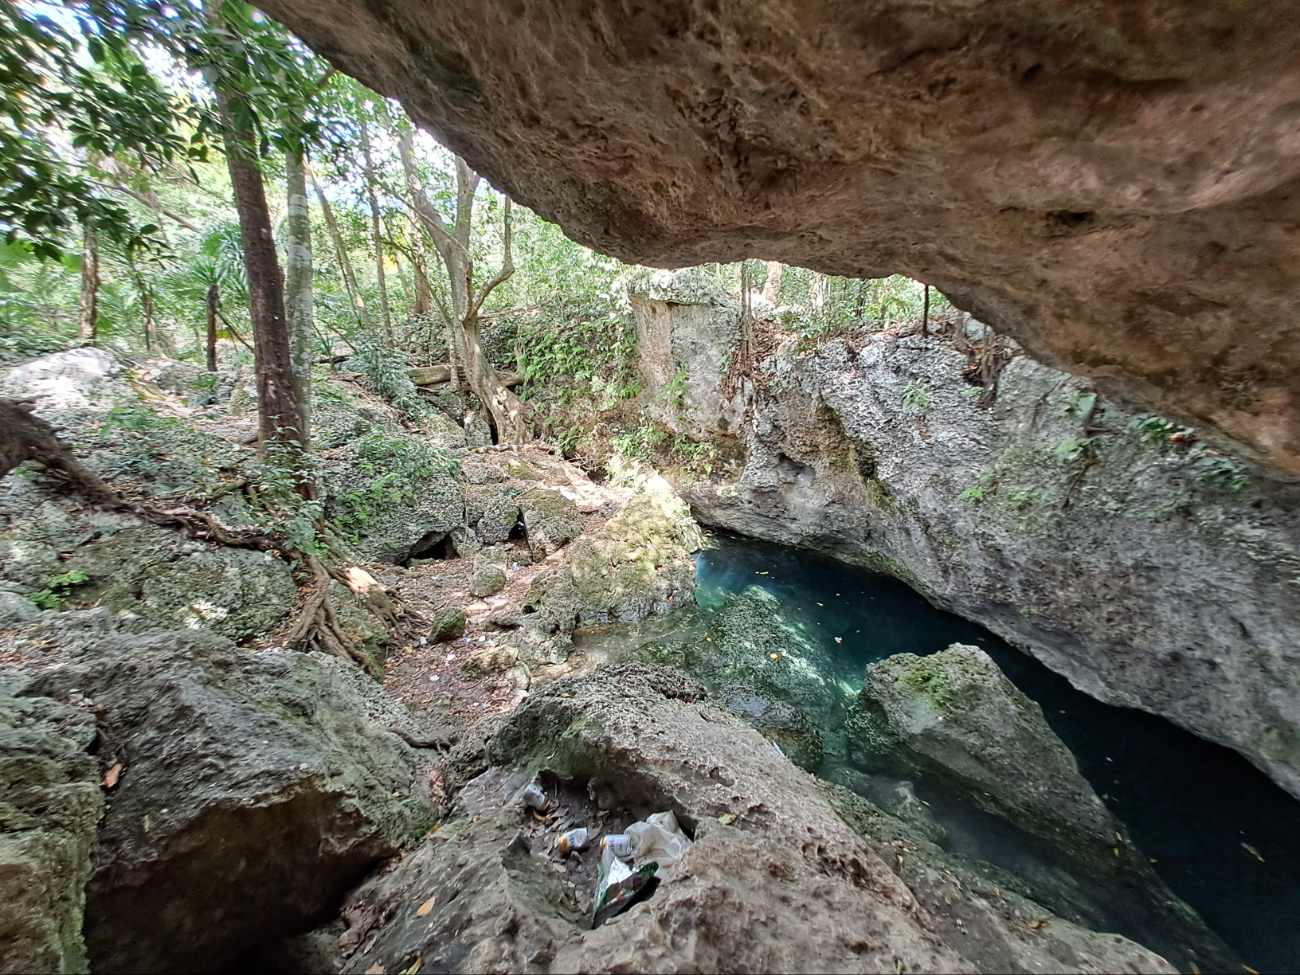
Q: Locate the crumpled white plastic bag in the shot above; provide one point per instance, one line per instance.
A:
(658, 840)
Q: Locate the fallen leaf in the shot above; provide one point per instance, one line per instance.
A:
(1250, 970)
(775, 656)
(414, 968)
(728, 819)
(1036, 924)
(112, 775)
(426, 907)
(760, 573)
(1195, 970)
(1245, 846)
(375, 969)
(406, 651)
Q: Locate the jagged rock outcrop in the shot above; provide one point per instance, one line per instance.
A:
(637, 564)
(954, 717)
(50, 805)
(1114, 546)
(253, 790)
(1113, 185)
(776, 880)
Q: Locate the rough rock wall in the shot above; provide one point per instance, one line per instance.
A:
(1119, 557)
(1114, 184)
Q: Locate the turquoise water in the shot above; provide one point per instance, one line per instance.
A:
(1198, 809)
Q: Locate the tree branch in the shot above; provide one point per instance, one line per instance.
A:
(507, 267)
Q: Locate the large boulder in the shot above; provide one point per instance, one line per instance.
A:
(637, 564)
(394, 495)
(776, 880)
(551, 520)
(1112, 183)
(954, 717)
(255, 788)
(50, 805)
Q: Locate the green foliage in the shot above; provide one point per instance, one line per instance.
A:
(699, 458)
(1078, 449)
(973, 392)
(58, 588)
(1078, 405)
(639, 442)
(1217, 472)
(1152, 429)
(974, 494)
(90, 86)
(396, 468)
(387, 370)
(916, 397)
(674, 391)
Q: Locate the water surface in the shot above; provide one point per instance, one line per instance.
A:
(1223, 836)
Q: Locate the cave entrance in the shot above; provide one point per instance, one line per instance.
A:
(433, 546)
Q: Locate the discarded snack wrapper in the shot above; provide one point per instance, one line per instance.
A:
(573, 839)
(619, 886)
(660, 839)
(534, 798)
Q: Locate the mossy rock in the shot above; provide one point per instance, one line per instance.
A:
(954, 717)
(550, 520)
(779, 722)
(447, 624)
(487, 581)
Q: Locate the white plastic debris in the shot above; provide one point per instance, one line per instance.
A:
(658, 840)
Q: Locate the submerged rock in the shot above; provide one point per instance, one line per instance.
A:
(254, 789)
(775, 880)
(955, 717)
(50, 805)
(782, 723)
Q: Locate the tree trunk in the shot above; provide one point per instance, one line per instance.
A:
(88, 309)
(150, 328)
(214, 296)
(340, 252)
(772, 286)
(376, 236)
(505, 408)
(298, 285)
(925, 315)
(420, 268)
(279, 413)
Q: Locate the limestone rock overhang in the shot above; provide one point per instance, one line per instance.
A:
(1115, 184)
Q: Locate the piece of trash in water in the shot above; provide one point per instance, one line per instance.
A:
(821, 604)
(534, 798)
(573, 840)
(727, 819)
(1252, 851)
(839, 639)
(618, 845)
(775, 656)
(760, 573)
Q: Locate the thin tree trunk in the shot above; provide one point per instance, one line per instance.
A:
(150, 329)
(376, 236)
(340, 252)
(214, 296)
(420, 268)
(279, 412)
(298, 285)
(772, 285)
(925, 315)
(88, 309)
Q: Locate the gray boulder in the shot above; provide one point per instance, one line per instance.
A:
(776, 879)
(955, 717)
(16, 609)
(50, 804)
(256, 788)
(447, 624)
(550, 520)
(487, 581)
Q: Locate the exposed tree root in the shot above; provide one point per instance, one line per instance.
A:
(26, 437)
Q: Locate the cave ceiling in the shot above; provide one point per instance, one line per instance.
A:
(1114, 183)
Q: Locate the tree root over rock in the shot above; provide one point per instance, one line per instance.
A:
(26, 437)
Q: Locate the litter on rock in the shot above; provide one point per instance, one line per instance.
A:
(654, 846)
(573, 840)
(534, 798)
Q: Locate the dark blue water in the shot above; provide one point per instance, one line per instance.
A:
(1198, 809)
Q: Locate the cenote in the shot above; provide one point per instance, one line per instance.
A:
(1220, 833)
